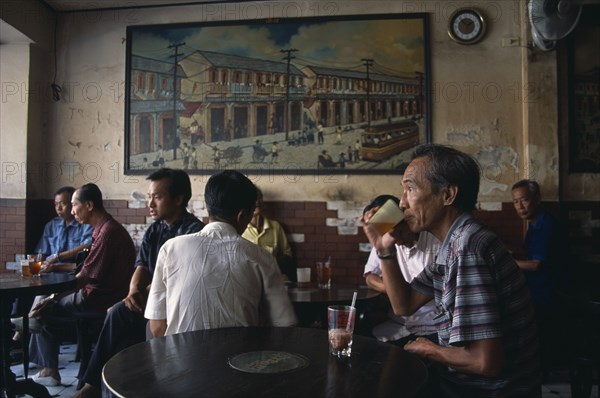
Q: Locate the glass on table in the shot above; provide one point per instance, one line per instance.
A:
(25, 268)
(36, 265)
(303, 277)
(340, 321)
(324, 274)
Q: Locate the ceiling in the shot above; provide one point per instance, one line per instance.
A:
(86, 5)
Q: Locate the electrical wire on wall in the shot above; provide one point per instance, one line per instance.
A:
(56, 89)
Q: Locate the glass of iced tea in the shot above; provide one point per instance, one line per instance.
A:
(36, 265)
(340, 320)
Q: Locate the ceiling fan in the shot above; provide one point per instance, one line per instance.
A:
(552, 20)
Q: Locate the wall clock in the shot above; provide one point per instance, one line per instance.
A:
(466, 26)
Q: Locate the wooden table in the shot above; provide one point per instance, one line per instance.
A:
(195, 364)
(311, 302)
(14, 286)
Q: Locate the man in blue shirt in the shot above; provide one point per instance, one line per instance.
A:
(63, 236)
(168, 196)
(545, 256)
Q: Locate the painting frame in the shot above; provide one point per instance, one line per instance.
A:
(278, 96)
(583, 86)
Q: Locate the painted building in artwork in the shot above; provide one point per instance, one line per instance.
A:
(223, 97)
(241, 96)
(153, 105)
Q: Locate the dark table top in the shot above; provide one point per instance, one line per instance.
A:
(337, 294)
(14, 285)
(195, 364)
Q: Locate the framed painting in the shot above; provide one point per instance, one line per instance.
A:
(584, 100)
(342, 95)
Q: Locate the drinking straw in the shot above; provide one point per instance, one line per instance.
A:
(350, 318)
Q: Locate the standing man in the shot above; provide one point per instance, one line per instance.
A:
(101, 282)
(269, 235)
(542, 266)
(215, 278)
(63, 236)
(487, 338)
(320, 136)
(168, 196)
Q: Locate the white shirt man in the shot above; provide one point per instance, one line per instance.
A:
(411, 260)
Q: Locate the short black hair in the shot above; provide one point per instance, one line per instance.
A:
(179, 183)
(379, 201)
(228, 192)
(68, 190)
(449, 166)
(91, 193)
(532, 186)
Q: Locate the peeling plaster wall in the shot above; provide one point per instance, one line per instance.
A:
(487, 100)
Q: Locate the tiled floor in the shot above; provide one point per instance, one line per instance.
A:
(557, 388)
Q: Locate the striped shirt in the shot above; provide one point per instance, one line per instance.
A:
(481, 294)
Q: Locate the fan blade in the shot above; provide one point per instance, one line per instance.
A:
(553, 19)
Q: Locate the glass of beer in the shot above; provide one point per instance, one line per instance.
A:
(387, 217)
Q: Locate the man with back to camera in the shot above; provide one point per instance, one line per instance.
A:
(487, 338)
(101, 282)
(414, 252)
(269, 235)
(542, 267)
(168, 195)
(215, 274)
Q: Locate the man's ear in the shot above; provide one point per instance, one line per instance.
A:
(179, 200)
(89, 205)
(449, 195)
(243, 218)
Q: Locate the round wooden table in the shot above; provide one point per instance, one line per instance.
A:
(14, 286)
(195, 364)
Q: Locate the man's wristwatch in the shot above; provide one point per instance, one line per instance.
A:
(53, 297)
(52, 257)
(386, 256)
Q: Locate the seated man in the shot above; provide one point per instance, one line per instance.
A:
(101, 282)
(414, 253)
(63, 236)
(545, 250)
(215, 278)
(168, 196)
(487, 337)
(269, 235)
(62, 239)
(325, 160)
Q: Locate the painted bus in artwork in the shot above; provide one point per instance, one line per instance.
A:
(384, 141)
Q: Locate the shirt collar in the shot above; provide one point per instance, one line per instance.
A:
(458, 222)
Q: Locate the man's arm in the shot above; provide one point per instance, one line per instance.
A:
(404, 300)
(158, 327)
(481, 357)
(529, 265)
(139, 287)
(375, 282)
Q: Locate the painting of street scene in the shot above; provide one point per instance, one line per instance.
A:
(342, 95)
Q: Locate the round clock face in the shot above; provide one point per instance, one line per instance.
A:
(466, 26)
